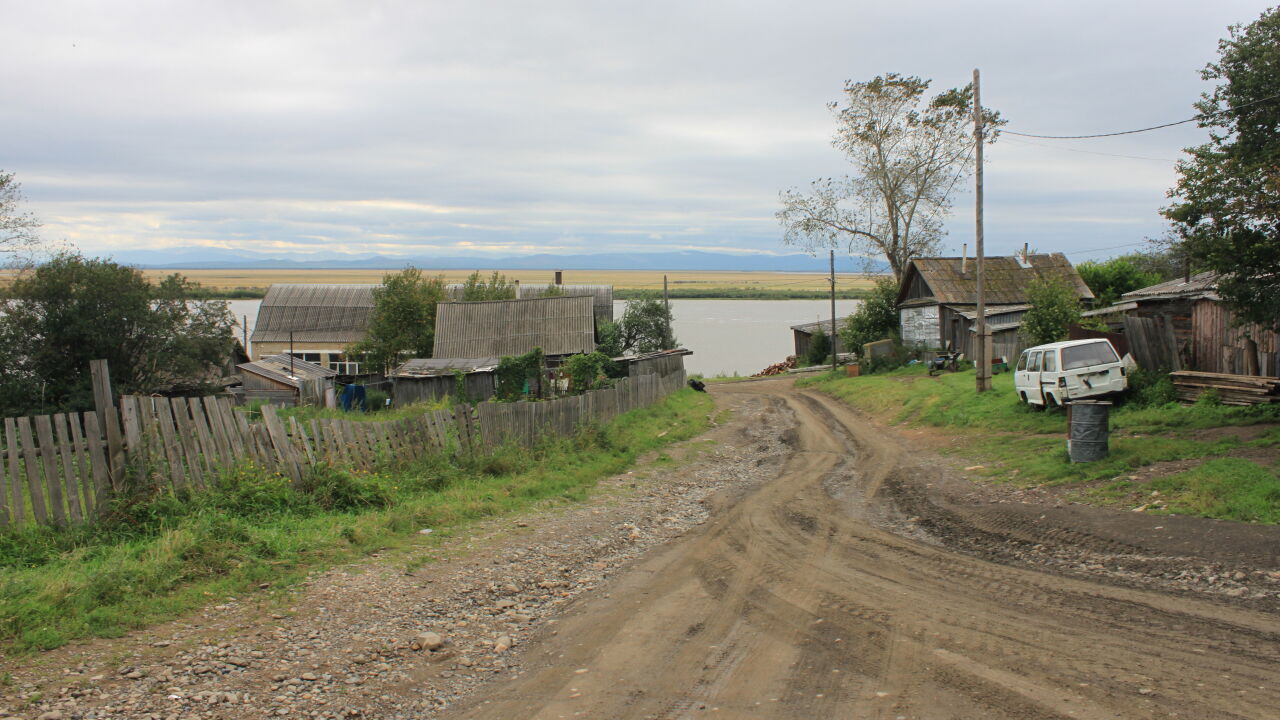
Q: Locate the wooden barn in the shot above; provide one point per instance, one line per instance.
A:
(1182, 324)
(427, 379)
(660, 362)
(803, 334)
(559, 325)
(937, 305)
(282, 380)
(316, 321)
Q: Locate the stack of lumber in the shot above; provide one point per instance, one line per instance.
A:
(1232, 389)
(778, 368)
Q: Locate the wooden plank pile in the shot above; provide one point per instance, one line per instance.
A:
(1231, 389)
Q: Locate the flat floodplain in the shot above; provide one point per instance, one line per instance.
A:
(229, 279)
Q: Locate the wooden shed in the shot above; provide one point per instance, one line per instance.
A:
(319, 319)
(660, 362)
(563, 325)
(937, 293)
(282, 380)
(427, 379)
(803, 334)
(1182, 324)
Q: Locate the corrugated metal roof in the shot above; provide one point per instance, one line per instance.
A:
(430, 367)
(825, 325)
(314, 312)
(970, 312)
(1005, 278)
(1202, 284)
(498, 328)
(279, 367)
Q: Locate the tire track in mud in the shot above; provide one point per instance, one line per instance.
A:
(796, 602)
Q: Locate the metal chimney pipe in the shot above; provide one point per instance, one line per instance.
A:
(964, 259)
(559, 277)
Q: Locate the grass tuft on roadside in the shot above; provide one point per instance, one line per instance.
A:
(165, 553)
(1008, 441)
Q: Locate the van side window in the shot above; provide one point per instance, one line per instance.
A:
(1051, 361)
(1079, 356)
(1033, 365)
(1022, 361)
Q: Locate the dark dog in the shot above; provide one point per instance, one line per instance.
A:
(697, 384)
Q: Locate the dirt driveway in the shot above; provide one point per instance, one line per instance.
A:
(837, 591)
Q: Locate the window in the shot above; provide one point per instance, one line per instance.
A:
(1078, 356)
(1033, 365)
(1051, 361)
(1022, 361)
(311, 357)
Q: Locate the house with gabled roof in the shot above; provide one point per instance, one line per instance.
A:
(314, 321)
(937, 304)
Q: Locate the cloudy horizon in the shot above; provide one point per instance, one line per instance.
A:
(448, 128)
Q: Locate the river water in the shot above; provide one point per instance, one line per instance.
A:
(726, 336)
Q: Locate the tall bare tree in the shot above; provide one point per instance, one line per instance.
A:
(17, 228)
(908, 153)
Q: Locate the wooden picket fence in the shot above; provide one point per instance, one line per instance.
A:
(64, 469)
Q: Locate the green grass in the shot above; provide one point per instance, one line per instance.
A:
(1229, 488)
(165, 555)
(1017, 444)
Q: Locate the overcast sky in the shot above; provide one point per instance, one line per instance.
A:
(421, 128)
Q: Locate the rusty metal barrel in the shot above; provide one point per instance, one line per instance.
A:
(1088, 430)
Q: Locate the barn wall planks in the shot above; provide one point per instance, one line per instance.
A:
(63, 469)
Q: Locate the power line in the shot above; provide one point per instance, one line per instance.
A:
(1091, 152)
(1197, 118)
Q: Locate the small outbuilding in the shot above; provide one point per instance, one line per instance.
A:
(427, 379)
(1183, 324)
(803, 334)
(284, 380)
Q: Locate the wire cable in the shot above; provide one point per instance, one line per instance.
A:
(1197, 118)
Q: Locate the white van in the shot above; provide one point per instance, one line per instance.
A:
(1053, 374)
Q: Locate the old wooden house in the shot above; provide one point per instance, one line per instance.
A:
(427, 379)
(283, 380)
(314, 321)
(803, 334)
(937, 305)
(559, 325)
(1183, 324)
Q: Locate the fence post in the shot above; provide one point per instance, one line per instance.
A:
(108, 419)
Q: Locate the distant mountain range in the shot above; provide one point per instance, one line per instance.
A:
(213, 258)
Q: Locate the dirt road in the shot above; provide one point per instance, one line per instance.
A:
(808, 598)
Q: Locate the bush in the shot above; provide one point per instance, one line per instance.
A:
(875, 319)
(587, 371)
(1054, 308)
(1148, 388)
(819, 348)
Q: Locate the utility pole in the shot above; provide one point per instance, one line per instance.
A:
(291, 373)
(834, 356)
(244, 333)
(666, 304)
(983, 345)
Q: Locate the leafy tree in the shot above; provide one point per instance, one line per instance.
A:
(875, 319)
(1112, 278)
(819, 348)
(17, 228)
(1226, 208)
(71, 310)
(609, 338)
(1054, 308)
(646, 325)
(907, 152)
(515, 371)
(495, 288)
(402, 324)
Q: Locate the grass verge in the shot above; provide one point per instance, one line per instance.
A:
(1009, 441)
(166, 554)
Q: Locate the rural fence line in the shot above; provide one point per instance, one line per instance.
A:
(64, 468)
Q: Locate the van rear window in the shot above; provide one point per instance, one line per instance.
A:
(1079, 356)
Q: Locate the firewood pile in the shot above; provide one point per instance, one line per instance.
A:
(1231, 389)
(778, 368)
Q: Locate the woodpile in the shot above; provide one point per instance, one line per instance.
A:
(1231, 389)
(778, 368)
